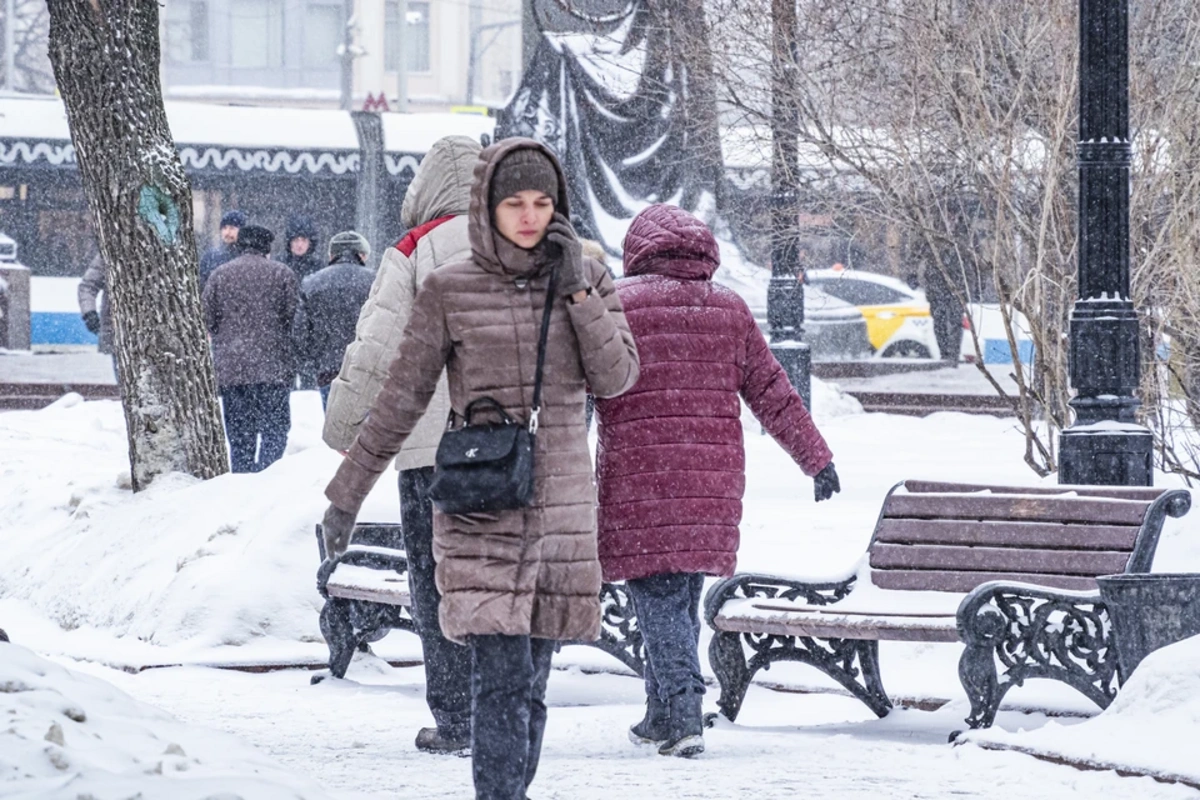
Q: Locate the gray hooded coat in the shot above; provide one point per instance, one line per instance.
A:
(441, 190)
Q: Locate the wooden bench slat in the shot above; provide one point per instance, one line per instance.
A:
(961, 581)
(1048, 535)
(997, 559)
(1014, 508)
(1145, 494)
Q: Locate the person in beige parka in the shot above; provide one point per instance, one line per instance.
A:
(435, 213)
(515, 582)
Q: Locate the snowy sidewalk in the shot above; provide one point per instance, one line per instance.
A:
(355, 737)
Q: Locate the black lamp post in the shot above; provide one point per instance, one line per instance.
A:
(785, 293)
(1105, 445)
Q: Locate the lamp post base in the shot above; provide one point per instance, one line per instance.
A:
(1120, 454)
(796, 360)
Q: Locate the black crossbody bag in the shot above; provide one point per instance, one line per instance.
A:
(489, 466)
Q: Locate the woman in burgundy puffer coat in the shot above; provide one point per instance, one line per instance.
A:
(671, 463)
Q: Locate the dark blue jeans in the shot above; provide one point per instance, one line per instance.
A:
(508, 712)
(253, 411)
(447, 665)
(668, 612)
(324, 390)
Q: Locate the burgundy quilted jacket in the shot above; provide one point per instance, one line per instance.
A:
(671, 463)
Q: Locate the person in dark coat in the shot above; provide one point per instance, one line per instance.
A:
(300, 252)
(249, 306)
(330, 301)
(227, 250)
(946, 308)
(671, 463)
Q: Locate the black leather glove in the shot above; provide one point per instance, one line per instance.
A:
(336, 528)
(571, 278)
(826, 483)
(91, 321)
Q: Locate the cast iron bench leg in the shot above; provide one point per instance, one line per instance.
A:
(620, 636)
(1014, 632)
(728, 663)
(338, 631)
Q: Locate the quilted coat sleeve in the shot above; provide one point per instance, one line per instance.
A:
(776, 404)
(90, 286)
(606, 348)
(411, 381)
(380, 328)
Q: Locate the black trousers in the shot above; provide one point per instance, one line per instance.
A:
(447, 665)
(668, 613)
(254, 411)
(508, 720)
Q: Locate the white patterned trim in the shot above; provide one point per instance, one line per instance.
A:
(56, 153)
(216, 158)
(398, 164)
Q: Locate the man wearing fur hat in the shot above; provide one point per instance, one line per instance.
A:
(249, 305)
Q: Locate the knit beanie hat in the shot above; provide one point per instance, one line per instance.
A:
(348, 242)
(521, 170)
(235, 218)
(256, 238)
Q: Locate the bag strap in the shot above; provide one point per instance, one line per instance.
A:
(541, 356)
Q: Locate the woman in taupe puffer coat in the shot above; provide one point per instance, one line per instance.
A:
(515, 582)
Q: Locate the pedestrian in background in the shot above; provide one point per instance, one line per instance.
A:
(670, 458)
(514, 582)
(301, 255)
(946, 308)
(95, 309)
(300, 249)
(330, 301)
(249, 306)
(224, 251)
(435, 213)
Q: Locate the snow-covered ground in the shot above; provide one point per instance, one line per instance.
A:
(223, 572)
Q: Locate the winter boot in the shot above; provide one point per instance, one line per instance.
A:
(655, 726)
(432, 740)
(685, 727)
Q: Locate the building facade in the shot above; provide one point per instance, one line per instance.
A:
(289, 52)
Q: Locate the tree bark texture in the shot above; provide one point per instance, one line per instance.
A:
(105, 55)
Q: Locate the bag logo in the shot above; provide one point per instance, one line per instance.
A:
(474, 451)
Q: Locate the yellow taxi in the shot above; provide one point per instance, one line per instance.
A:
(898, 321)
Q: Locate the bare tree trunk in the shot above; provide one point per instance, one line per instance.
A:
(105, 55)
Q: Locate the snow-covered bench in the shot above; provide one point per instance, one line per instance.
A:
(366, 596)
(1009, 571)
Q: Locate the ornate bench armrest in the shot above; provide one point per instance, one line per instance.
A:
(774, 587)
(1033, 632)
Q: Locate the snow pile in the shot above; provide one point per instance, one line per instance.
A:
(220, 562)
(70, 736)
(1143, 730)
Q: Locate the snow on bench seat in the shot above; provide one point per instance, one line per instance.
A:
(785, 618)
(365, 583)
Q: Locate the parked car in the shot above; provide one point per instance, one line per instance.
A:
(834, 329)
(898, 321)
